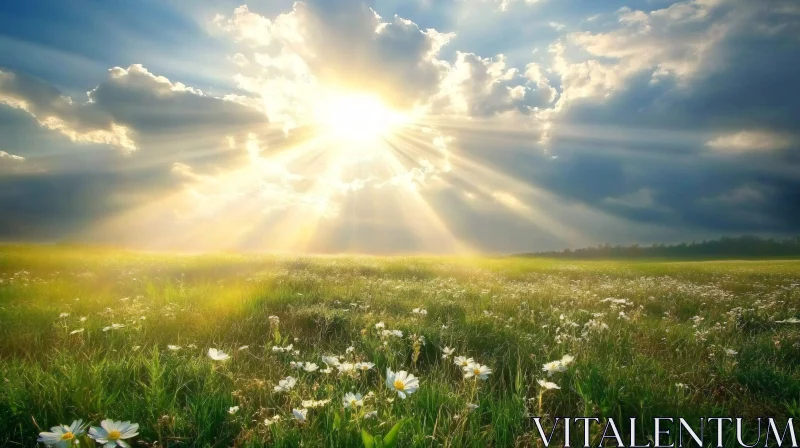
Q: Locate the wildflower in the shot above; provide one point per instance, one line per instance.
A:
(113, 327)
(370, 415)
(402, 382)
(310, 367)
(791, 320)
(396, 333)
(79, 330)
(244, 347)
(472, 406)
(174, 347)
(447, 352)
(477, 371)
(326, 370)
(272, 421)
(63, 315)
(277, 349)
(553, 367)
(274, 320)
(548, 385)
(62, 436)
(285, 385)
(420, 311)
(558, 366)
(346, 367)
(463, 361)
(350, 349)
(352, 400)
(233, 409)
(380, 325)
(731, 352)
(300, 415)
(364, 366)
(111, 433)
(217, 355)
(315, 403)
(297, 365)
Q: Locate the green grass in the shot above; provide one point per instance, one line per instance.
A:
(513, 315)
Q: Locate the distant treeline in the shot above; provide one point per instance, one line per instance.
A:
(726, 247)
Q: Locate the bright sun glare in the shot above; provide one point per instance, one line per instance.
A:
(358, 117)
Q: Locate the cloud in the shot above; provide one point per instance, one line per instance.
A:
(10, 158)
(81, 123)
(483, 87)
(10, 162)
(661, 123)
(343, 45)
(745, 141)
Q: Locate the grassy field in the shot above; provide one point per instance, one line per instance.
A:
(648, 339)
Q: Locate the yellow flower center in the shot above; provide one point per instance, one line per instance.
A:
(399, 385)
(114, 435)
(67, 436)
(476, 371)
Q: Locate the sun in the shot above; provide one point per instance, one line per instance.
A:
(357, 117)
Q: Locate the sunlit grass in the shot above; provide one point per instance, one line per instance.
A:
(660, 347)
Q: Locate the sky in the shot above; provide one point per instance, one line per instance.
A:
(398, 126)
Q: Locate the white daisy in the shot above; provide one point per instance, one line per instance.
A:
(174, 347)
(332, 361)
(62, 436)
(477, 371)
(364, 366)
(463, 361)
(272, 421)
(352, 400)
(380, 325)
(233, 409)
(447, 352)
(285, 385)
(111, 433)
(217, 355)
(300, 415)
(346, 367)
(402, 382)
(548, 385)
(310, 367)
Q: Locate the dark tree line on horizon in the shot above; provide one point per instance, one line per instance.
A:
(726, 247)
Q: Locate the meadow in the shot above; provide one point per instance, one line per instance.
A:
(255, 350)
